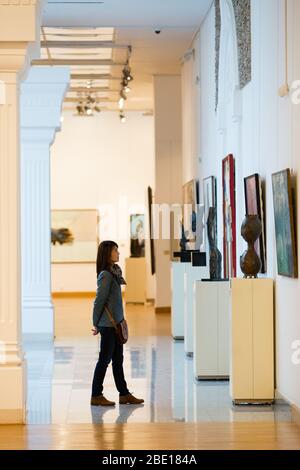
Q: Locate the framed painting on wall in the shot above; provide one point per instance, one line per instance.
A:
(137, 235)
(254, 205)
(285, 230)
(152, 253)
(229, 217)
(190, 202)
(74, 236)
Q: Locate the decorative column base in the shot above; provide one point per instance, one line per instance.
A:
(13, 394)
(13, 380)
(38, 316)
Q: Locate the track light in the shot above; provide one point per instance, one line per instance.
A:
(87, 105)
(127, 73)
(80, 109)
(89, 112)
(123, 94)
(90, 99)
(126, 88)
(127, 77)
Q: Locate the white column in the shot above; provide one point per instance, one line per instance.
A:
(168, 172)
(18, 32)
(41, 101)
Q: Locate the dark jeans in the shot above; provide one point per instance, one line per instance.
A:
(110, 349)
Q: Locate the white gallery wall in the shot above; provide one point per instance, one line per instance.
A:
(261, 130)
(96, 162)
(190, 93)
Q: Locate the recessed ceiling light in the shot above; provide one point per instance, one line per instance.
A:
(74, 3)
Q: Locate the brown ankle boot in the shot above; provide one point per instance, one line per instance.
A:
(130, 400)
(101, 401)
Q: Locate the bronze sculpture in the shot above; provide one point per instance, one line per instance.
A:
(250, 261)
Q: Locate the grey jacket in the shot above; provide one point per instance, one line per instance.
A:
(108, 292)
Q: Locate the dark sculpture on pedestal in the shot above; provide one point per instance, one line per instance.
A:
(250, 261)
(215, 257)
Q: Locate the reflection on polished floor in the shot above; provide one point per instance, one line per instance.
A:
(156, 368)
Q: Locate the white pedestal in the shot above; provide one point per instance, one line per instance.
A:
(178, 384)
(189, 390)
(177, 298)
(211, 330)
(191, 274)
(252, 341)
(135, 276)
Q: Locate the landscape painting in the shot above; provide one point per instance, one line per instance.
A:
(74, 236)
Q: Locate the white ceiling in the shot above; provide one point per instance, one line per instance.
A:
(134, 23)
(126, 13)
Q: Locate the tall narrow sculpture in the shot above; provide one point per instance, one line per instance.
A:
(215, 257)
(183, 240)
(250, 261)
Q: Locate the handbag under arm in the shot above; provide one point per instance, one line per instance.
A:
(121, 328)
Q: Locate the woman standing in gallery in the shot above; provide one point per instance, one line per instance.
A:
(109, 281)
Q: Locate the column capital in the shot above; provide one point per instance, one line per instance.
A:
(42, 95)
(34, 136)
(20, 22)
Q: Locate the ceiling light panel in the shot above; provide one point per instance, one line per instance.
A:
(88, 44)
(66, 36)
(69, 35)
(105, 54)
(76, 34)
(74, 2)
(79, 69)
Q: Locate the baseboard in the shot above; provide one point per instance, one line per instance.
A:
(64, 295)
(30, 338)
(162, 309)
(296, 415)
(12, 417)
(295, 410)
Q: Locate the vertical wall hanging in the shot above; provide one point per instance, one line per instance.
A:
(229, 217)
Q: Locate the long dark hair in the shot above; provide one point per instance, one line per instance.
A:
(104, 255)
